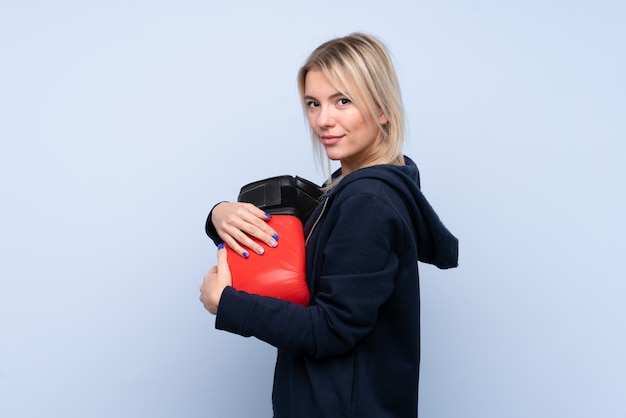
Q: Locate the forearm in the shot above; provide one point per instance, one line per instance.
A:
(357, 277)
(330, 326)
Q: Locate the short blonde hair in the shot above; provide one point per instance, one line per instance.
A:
(359, 66)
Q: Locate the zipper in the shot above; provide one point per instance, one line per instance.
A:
(317, 220)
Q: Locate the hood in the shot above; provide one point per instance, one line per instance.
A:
(436, 245)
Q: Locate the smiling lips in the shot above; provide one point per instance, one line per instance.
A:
(330, 139)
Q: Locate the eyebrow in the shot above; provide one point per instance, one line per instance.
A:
(332, 96)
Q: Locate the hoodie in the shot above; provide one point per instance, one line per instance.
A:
(354, 350)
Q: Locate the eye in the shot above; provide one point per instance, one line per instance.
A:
(343, 101)
(312, 104)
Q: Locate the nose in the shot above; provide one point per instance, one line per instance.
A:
(325, 117)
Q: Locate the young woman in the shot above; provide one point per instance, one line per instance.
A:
(354, 350)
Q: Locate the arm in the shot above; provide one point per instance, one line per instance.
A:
(359, 270)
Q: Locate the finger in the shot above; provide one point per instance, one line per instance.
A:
(259, 213)
(241, 222)
(257, 229)
(241, 242)
(249, 243)
(223, 269)
(265, 234)
(250, 217)
(222, 258)
(249, 213)
(234, 245)
(207, 276)
(236, 236)
(213, 270)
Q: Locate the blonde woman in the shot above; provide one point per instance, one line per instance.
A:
(354, 350)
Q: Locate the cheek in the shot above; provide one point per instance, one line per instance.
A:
(356, 123)
(311, 118)
(355, 118)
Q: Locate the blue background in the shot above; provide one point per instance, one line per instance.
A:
(122, 123)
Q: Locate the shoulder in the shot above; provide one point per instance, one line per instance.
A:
(360, 185)
(364, 200)
(370, 180)
(371, 190)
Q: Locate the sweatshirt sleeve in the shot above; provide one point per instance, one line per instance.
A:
(209, 228)
(360, 262)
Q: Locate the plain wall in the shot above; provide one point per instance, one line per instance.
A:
(122, 123)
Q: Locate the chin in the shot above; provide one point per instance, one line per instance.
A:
(333, 156)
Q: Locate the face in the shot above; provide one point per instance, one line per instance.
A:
(344, 132)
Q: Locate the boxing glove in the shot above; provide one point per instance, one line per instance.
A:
(281, 271)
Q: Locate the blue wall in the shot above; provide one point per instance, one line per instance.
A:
(123, 122)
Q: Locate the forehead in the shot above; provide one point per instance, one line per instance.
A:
(322, 82)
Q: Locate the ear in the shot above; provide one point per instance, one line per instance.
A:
(382, 119)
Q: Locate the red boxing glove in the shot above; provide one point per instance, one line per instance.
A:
(280, 271)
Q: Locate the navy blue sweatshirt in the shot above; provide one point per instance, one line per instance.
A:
(354, 351)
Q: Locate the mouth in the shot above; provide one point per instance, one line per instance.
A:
(330, 139)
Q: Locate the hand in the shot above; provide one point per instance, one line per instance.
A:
(237, 222)
(215, 282)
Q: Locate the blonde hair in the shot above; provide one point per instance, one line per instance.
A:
(360, 67)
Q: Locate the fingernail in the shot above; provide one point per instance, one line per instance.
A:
(267, 215)
(260, 251)
(220, 246)
(245, 254)
(275, 236)
(273, 243)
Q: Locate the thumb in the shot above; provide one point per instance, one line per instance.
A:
(223, 270)
(222, 256)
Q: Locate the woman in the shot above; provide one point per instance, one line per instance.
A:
(354, 350)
